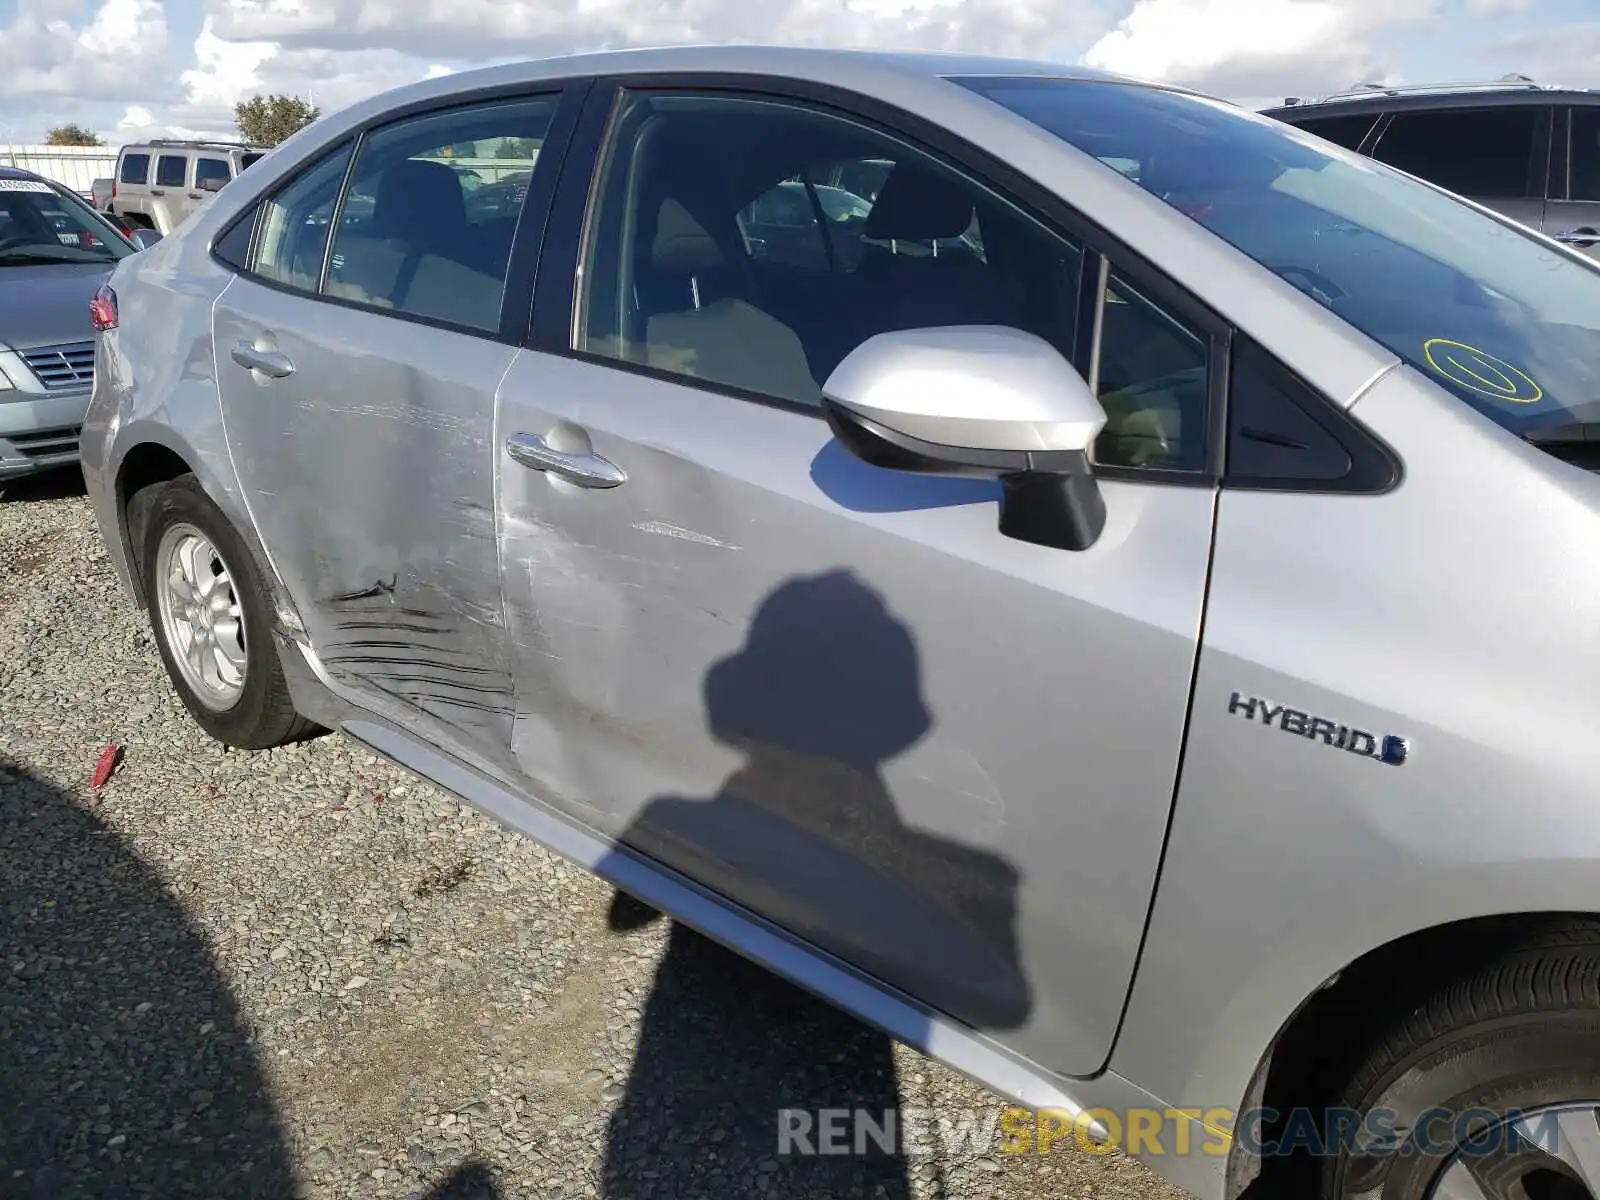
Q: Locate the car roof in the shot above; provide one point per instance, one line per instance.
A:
(19, 173)
(782, 60)
(863, 69)
(1377, 103)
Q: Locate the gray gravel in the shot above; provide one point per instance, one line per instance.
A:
(308, 973)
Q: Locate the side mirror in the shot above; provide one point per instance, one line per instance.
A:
(213, 184)
(982, 400)
(145, 238)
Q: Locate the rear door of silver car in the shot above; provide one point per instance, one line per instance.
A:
(358, 375)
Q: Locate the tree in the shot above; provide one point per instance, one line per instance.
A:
(268, 120)
(71, 135)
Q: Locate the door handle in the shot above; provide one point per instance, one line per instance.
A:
(158, 191)
(586, 470)
(1583, 236)
(197, 195)
(268, 362)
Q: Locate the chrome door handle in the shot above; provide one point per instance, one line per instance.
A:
(1584, 236)
(268, 362)
(586, 470)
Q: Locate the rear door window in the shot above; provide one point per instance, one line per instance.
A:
(170, 170)
(135, 168)
(1485, 153)
(210, 168)
(409, 237)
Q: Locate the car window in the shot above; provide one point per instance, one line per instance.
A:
(1475, 152)
(248, 160)
(412, 236)
(295, 222)
(135, 168)
(1151, 376)
(724, 245)
(170, 170)
(1585, 153)
(1346, 131)
(210, 168)
(1477, 303)
(42, 224)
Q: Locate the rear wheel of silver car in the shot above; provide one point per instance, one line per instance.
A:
(210, 615)
(1490, 1090)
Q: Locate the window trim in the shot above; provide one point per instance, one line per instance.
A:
(526, 242)
(557, 286)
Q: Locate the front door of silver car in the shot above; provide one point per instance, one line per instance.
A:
(835, 693)
(358, 376)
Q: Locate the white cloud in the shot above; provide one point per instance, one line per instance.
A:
(1560, 56)
(90, 60)
(43, 53)
(1257, 48)
(489, 28)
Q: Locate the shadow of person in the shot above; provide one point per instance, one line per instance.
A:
(825, 691)
(472, 1180)
(125, 1069)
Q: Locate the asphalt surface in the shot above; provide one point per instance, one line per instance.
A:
(308, 973)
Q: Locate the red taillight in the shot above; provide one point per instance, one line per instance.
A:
(103, 309)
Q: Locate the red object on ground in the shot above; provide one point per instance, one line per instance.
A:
(109, 757)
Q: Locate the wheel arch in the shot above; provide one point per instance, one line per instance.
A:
(1326, 1036)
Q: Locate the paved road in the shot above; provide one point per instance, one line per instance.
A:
(308, 973)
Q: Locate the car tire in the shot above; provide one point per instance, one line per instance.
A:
(211, 617)
(1519, 1035)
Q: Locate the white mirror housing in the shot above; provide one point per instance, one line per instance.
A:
(980, 387)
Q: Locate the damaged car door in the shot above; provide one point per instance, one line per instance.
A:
(359, 353)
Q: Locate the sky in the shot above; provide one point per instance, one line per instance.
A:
(137, 68)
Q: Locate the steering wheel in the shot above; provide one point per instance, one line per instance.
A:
(1330, 291)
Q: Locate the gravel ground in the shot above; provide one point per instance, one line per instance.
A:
(308, 973)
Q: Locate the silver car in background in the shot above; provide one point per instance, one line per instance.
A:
(1117, 613)
(55, 251)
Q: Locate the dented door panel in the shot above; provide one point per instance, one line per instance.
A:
(838, 695)
(369, 475)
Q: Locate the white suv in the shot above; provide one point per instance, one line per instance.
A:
(159, 183)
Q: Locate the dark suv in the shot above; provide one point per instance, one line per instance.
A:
(1528, 151)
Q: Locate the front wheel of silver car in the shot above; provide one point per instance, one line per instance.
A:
(209, 611)
(1489, 1090)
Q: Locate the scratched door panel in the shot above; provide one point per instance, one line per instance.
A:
(839, 696)
(369, 475)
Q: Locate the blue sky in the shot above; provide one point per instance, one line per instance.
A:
(131, 68)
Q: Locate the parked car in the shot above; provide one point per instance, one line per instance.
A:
(160, 183)
(1528, 151)
(100, 193)
(1148, 660)
(54, 252)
